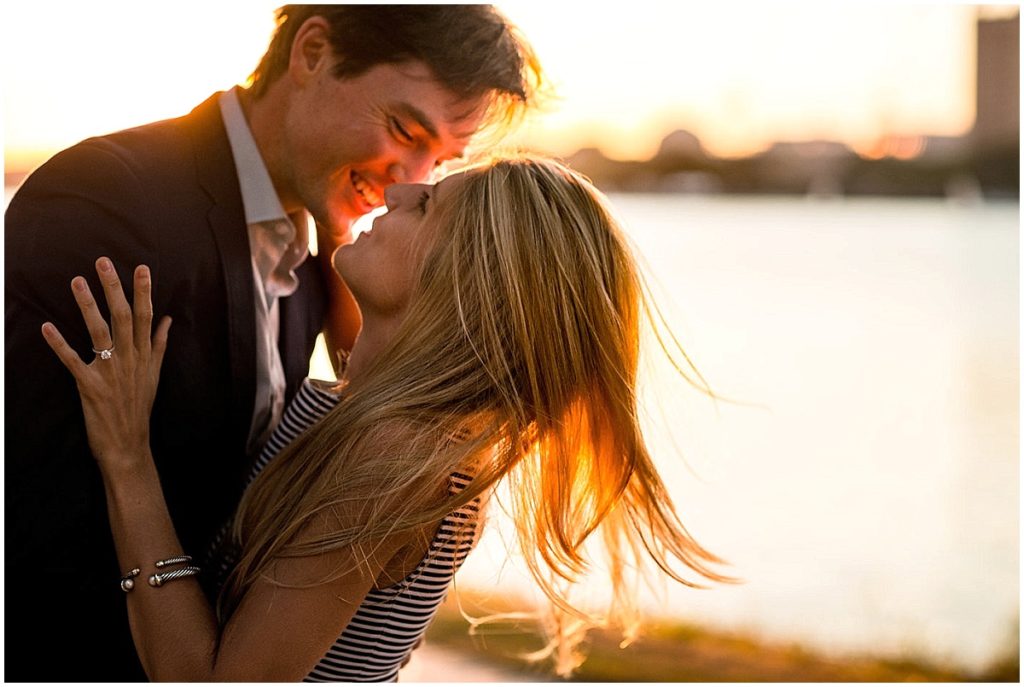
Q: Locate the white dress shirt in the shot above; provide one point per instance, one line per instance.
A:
(277, 246)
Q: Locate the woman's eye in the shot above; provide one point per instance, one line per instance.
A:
(400, 131)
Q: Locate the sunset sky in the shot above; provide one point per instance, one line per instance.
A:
(738, 75)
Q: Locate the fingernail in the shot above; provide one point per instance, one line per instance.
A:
(105, 265)
(78, 283)
(47, 328)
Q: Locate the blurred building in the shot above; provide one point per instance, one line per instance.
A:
(995, 139)
(681, 165)
(815, 168)
(998, 96)
(945, 149)
(681, 144)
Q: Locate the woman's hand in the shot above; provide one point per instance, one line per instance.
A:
(119, 386)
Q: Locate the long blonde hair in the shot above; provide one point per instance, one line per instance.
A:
(522, 339)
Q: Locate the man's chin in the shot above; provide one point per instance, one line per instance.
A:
(338, 219)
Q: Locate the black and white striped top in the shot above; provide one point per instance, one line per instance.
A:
(390, 621)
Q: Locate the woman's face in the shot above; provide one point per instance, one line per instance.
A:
(381, 264)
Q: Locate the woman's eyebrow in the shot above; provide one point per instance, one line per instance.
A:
(435, 191)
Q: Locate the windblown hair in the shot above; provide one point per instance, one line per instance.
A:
(517, 360)
(472, 50)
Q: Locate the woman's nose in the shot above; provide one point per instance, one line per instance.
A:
(395, 193)
(413, 168)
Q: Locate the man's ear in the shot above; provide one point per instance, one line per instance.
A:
(311, 50)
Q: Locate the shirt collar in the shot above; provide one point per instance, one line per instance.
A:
(258, 195)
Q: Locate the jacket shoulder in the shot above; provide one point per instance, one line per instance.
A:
(125, 161)
(127, 192)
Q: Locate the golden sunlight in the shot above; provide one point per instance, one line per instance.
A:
(738, 77)
(743, 76)
(96, 68)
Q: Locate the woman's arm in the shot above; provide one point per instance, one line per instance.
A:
(277, 633)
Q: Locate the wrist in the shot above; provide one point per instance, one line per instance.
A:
(123, 463)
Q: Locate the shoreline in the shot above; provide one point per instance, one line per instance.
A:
(683, 652)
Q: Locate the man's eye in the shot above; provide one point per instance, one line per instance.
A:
(400, 132)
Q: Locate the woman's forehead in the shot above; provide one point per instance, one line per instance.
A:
(446, 186)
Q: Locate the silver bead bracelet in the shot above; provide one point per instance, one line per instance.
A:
(127, 583)
(158, 579)
(174, 560)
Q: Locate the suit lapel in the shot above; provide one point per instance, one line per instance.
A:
(215, 167)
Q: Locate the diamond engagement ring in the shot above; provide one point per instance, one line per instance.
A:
(105, 353)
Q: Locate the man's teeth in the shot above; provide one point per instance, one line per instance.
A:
(365, 191)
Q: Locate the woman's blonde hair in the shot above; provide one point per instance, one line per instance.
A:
(517, 360)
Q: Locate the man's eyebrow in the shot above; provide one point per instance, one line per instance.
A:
(427, 124)
(421, 118)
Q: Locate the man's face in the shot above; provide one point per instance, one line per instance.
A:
(345, 140)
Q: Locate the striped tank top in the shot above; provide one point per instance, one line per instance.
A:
(391, 621)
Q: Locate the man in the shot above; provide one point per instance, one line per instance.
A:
(347, 100)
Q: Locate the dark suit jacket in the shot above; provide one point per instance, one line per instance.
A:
(166, 195)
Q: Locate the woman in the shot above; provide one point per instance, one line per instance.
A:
(501, 313)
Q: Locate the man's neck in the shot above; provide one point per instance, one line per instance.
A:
(265, 119)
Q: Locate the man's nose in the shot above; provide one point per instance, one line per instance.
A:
(413, 169)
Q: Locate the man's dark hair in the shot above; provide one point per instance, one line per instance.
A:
(472, 50)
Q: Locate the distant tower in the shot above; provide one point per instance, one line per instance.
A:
(998, 97)
(681, 144)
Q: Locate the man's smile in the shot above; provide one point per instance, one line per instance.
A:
(365, 191)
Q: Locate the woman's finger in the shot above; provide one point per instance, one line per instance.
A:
(64, 352)
(120, 312)
(143, 308)
(99, 333)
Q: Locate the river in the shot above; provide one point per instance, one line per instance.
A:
(868, 492)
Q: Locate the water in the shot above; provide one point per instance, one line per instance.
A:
(870, 497)
(871, 504)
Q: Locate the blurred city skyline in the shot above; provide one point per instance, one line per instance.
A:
(982, 162)
(739, 77)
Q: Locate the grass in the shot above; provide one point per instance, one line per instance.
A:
(682, 652)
